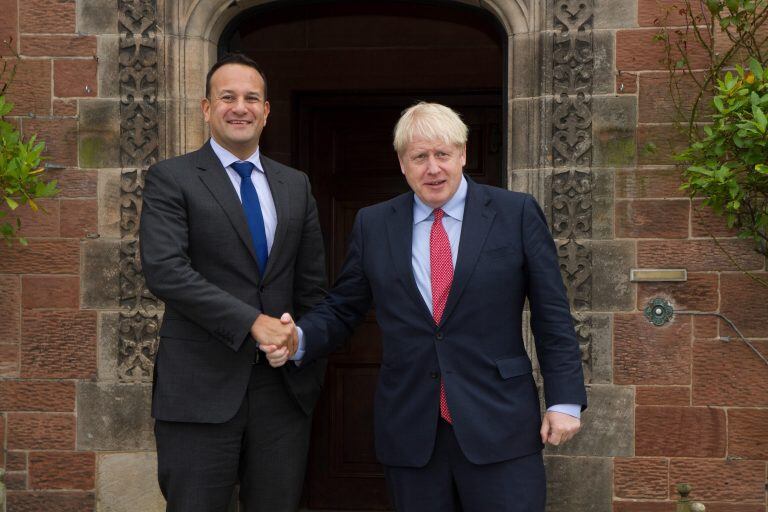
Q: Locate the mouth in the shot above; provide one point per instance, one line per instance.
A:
(434, 183)
(238, 122)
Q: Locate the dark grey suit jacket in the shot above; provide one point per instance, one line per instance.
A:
(198, 257)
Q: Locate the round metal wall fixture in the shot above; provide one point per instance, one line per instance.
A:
(659, 311)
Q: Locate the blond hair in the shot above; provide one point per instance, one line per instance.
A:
(430, 121)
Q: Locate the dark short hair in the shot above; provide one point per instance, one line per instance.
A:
(234, 58)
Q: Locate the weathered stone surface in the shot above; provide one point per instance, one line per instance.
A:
(680, 432)
(536, 182)
(99, 133)
(748, 433)
(96, 17)
(100, 286)
(603, 74)
(595, 335)
(530, 78)
(607, 425)
(530, 133)
(615, 14)
(127, 482)
(641, 478)
(109, 67)
(114, 417)
(613, 130)
(579, 483)
(602, 203)
(109, 203)
(611, 262)
(108, 345)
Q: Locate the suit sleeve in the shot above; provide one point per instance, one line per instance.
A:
(556, 345)
(309, 282)
(168, 270)
(332, 321)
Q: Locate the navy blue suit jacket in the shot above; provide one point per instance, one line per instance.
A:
(506, 254)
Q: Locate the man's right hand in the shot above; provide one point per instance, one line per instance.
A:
(279, 332)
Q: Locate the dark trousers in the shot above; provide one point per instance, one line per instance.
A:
(263, 448)
(451, 483)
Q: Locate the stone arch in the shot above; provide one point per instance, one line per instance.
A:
(192, 30)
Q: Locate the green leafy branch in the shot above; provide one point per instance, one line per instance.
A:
(21, 172)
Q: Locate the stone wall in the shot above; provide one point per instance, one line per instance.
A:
(587, 96)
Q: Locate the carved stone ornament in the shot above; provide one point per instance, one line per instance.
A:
(139, 143)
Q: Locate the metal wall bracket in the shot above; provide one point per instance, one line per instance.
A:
(659, 311)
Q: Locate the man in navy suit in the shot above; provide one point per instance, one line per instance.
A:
(449, 267)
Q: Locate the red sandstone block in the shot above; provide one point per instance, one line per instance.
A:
(74, 182)
(64, 108)
(41, 431)
(10, 309)
(705, 327)
(47, 16)
(680, 431)
(698, 255)
(41, 223)
(636, 50)
(735, 507)
(745, 303)
(79, 217)
(75, 78)
(740, 481)
(729, 374)
(657, 102)
(663, 395)
(644, 506)
(626, 83)
(43, 396)
(9, 361)
(60, 137)
(16, 480)
(657, 144)
(652, 218)
(62, 470)
(41, 256)
(16, 461)
(9, 25)
(2, 442)
(648, 183)
(640, 478)
(644, 354)
(706, 223)
(748, 433)
(669, 13)
(50, 291)
(699, 293)
(30, 91)
(58, 46)
(58, 344)
(26, 501)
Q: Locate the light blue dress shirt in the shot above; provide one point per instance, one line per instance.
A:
(423, 216)
(260, 183)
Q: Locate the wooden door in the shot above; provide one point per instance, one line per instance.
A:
(344, 143)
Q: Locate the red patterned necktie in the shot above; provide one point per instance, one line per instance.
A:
(441, 274)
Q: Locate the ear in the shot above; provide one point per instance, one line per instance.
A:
(206, 106)
(402, 166)
(266, 111)
(464, 156)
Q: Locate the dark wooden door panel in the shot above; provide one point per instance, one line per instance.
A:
(344, 143)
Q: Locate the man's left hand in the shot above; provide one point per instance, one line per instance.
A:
(558, 427)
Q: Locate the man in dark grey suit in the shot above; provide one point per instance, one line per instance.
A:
(229, 237)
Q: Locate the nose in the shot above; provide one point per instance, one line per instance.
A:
(239, 106)
(432, 165)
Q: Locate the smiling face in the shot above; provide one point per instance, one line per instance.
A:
(236, 110)
(433, 169)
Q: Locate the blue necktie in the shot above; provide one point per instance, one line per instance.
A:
(252, 209)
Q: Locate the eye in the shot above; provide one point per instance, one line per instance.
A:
(252, 99)
(227, 98)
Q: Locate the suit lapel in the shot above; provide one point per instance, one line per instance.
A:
(282, 198)
(400, 234)
(218, 183)
(478, 217)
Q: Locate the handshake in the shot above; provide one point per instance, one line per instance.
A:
(277, 337)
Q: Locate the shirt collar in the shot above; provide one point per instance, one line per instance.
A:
(453, 208)
(226, 158)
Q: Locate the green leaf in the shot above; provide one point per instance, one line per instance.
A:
(11, 203)
(760, 118)
(755, 67)
(718, 102)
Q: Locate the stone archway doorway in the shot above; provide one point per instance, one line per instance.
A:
(339, 74)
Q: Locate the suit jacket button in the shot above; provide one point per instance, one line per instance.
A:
(439, 336)
(434, 375)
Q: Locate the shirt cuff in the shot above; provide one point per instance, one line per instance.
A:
(569, 409)
(299, 355)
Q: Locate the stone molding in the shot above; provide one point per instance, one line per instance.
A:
(139, 148)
